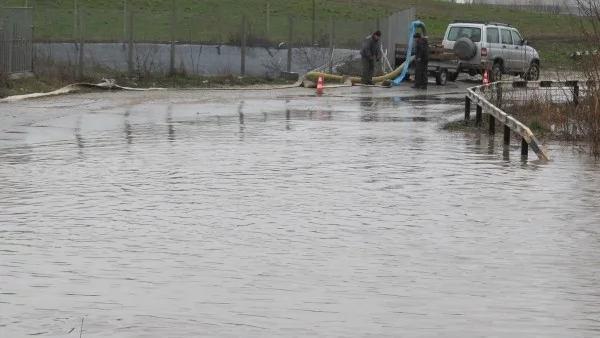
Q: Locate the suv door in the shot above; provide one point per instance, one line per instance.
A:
(507, 49)
(519, 51)
(493, 43)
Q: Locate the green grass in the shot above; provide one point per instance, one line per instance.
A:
(211, 21)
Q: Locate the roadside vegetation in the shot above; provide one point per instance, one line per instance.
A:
(570, 120)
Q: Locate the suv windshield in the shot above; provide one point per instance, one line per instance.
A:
(472, 33)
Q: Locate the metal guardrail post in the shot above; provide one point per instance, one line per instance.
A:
(467, 108)
(492, 124)
(506, 135)
(479, 115)
(524, 147)
(575, 85)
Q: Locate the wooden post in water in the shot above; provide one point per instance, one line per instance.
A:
(479, 115)
(467, 108)
(492, 121)
(506, 135)
(524, 147)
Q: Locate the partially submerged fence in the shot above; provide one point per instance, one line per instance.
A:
(214, 43)
(16, 35)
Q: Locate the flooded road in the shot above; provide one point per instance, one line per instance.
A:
(278, 214)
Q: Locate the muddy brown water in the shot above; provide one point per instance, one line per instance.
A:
(278, 214)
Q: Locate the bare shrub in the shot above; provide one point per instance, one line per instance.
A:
(46, 66)
(146, 61)
(588, 111)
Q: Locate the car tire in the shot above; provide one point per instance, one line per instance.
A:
(533, 73)
(496, 72)
(465, 49)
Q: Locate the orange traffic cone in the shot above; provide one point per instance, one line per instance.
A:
(320, 84)
(485, 78)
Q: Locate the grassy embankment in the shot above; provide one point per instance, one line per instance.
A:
(219, 21)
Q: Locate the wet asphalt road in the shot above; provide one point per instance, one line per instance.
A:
(278, 213)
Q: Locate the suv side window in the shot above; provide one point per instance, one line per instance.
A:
(493, 36)
(516, 37)
(506, 37)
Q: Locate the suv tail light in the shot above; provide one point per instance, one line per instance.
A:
(483, 51)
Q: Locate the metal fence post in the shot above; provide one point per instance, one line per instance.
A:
(268, 19)
(173, 37)
(331, 44)
(31, 49)
(243, 61)
(81, 41)
(290, 37)
(314, 17)
(11, 39)
(130, 42)
(124, 19)
(75, 20)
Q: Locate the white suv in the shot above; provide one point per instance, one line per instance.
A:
(497, 47)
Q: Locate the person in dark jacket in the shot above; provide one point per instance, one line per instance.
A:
(369, 53)
(422, 61)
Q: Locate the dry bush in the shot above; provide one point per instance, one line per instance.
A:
(46, 66)
(587, 113)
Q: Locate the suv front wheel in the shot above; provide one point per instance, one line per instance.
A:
(496, 73)
(533, 73)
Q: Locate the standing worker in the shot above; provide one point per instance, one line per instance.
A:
(369, 53)
(422, 61)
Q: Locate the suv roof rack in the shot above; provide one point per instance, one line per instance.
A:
(484, 22)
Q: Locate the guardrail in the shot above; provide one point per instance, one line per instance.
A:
(494, 112)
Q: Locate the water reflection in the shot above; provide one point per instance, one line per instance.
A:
(78, 138)
(127, 127)
(170, 127)
(288, 115)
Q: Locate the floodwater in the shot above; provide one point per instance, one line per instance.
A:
(278, 214)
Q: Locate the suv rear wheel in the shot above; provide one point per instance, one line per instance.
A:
(496, 73)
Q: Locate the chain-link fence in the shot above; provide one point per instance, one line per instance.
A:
(215, 43)
(16, 34)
